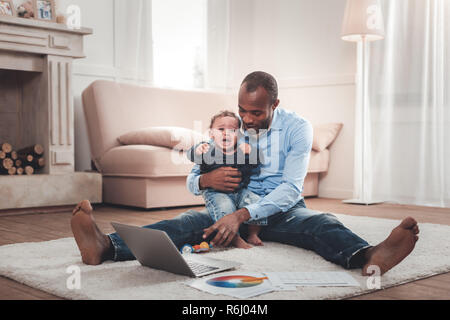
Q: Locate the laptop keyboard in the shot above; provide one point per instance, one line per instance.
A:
(199, 268)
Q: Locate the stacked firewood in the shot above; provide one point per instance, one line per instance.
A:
(28, 160)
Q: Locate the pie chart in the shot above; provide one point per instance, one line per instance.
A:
(235, 281)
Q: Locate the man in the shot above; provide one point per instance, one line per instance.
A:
(286, 141)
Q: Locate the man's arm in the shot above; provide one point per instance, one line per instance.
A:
(288, 193)
(224, 179)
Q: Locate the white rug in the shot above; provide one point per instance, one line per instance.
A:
(44, 266)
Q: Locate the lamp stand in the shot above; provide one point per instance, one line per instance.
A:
(363, 198)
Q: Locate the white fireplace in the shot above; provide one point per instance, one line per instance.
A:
(36, 107)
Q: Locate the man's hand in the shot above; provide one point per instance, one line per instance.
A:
(227, 227)
(225, 179)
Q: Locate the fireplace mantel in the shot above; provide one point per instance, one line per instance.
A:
(36, 66)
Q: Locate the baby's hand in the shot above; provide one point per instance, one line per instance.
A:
(245, 148)
(202, 149)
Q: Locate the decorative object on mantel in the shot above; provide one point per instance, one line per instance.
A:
(61, 18)
(44, 10)
(25, 10)
(28, 160)
(7, 8)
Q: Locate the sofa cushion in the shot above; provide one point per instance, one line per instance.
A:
(170, 137)
(325, 134)
(144, 161)
(152, 162)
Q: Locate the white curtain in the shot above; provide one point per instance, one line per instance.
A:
(133, 40)
(409, 90)
(159, 52)
(218, 45)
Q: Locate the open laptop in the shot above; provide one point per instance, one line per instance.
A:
(154, 249)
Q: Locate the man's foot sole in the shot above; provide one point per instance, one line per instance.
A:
(397, 246)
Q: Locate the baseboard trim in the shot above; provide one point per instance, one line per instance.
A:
(335, 193)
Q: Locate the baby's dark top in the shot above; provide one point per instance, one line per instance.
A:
(214, 158)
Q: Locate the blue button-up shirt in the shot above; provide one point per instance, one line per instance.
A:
(286, 149)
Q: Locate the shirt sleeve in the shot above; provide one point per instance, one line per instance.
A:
(288, 193)
(190, 154)
(193, 181)
(199, 158)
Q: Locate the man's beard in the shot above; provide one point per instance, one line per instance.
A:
(264, 126)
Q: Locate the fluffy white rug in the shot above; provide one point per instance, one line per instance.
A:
(44, 266)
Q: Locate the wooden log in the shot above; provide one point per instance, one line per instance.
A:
(6, 147)
(8, 163)
(13, 155)
(38, 163)
(29, 170)
(11, 171)
(26, 158)
(18, 163)
(36, 150)
(20, 171)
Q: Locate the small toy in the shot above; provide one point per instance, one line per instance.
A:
(201, 248)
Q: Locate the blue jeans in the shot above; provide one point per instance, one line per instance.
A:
(219, 204)
(299, 227)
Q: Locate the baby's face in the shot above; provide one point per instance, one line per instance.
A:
(224, 132)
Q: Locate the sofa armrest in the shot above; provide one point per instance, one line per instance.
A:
(319, 161)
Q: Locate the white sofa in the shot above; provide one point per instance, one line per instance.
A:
(143, 175)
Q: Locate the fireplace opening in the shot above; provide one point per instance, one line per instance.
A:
(23, 123)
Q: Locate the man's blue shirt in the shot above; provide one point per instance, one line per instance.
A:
(286, 149)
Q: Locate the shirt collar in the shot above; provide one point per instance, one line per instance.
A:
(277, 122)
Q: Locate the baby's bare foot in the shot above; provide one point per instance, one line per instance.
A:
(240, 243)
(254, 240)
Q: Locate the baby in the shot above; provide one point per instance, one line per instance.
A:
(228, 149)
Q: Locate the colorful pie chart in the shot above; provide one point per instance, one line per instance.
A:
(235, 281)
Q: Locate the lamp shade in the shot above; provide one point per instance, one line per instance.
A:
(363, 19)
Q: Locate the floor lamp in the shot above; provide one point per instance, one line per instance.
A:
(363, 23)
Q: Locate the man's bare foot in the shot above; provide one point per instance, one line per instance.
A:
(92, 243)
(254, 240)
(84, 205)
(238, 242)
(395, 248)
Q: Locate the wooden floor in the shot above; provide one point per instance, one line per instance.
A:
(34, 226)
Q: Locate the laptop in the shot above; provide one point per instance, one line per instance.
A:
(154, 249)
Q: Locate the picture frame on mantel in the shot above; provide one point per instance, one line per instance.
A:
(7, 8)
(44, 10)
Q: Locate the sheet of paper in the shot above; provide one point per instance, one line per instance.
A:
(317, 279)
(241, 285)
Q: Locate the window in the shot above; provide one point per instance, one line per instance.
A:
(179, 43)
